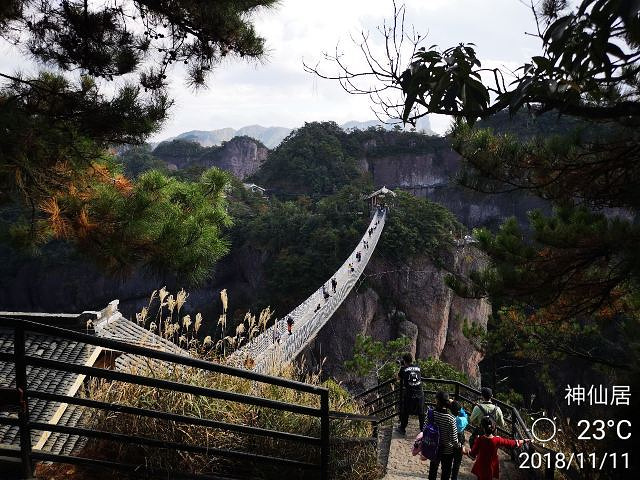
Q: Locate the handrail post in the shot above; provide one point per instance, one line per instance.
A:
(23, 411)
(324, 435)
(457, 385)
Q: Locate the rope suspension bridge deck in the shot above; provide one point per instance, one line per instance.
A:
(275, 346)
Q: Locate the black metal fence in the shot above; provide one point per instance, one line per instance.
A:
(23, 394)
(383, 401)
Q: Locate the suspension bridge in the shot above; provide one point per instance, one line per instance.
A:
(276, 347)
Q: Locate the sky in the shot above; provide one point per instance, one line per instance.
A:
(278, 92)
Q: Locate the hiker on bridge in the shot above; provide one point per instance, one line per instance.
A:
(334, 284)
(358, 255)
(411, 394)
(290, 323)
(325, 294)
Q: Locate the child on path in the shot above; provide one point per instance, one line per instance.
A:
(485, 450)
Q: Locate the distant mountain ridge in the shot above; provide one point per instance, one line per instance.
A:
(271, 137)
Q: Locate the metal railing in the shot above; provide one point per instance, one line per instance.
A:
(275, 346)
(383, 401)
(24, 393)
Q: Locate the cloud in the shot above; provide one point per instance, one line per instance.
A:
(278, 91)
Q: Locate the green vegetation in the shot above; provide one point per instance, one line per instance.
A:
(371, 357)
(307, 241)
(316, 159)
(179, 148)
(378, 142)
(57, 177)
(139, 159)
(418, 227)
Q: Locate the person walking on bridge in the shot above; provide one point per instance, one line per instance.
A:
(334, 284)
(411, 394)
(290, 323)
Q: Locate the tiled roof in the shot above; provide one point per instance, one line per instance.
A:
(109, 324)
(43, 380)
(116, 327)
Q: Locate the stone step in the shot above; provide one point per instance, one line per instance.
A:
(401, 465)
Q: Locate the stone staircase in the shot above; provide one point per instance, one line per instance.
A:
(401, 465)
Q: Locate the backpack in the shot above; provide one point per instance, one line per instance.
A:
(477, 431)
(430, 442)
(462, 420)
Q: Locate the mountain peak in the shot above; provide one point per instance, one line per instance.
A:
(272, 136)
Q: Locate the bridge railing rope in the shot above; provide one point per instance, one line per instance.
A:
(275, 346)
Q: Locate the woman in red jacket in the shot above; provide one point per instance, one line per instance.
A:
(485, 451)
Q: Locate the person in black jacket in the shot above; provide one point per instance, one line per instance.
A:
(411, 394)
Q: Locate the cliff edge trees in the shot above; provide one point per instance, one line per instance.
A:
(575, 281)
(58, 179)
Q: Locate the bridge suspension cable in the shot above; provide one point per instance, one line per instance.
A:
(276, 347)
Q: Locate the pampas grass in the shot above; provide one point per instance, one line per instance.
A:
(346, 463)
(351, 463)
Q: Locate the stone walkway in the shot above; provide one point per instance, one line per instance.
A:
(401, 465)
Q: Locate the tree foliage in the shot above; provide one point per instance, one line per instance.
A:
(578, 267)
(383, 360)
(58, 176)
(418, 227)
(305, 241)
(139, 159)
(316, 159)
(375, 357)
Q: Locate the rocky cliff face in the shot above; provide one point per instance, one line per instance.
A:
(241, 156)
(69, 285)
(409, 299)
(431, 174)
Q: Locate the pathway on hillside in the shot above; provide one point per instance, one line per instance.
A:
(403, 466)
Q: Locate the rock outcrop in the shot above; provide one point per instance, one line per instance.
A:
(241, 156)
(413, 301)
(429, 171)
